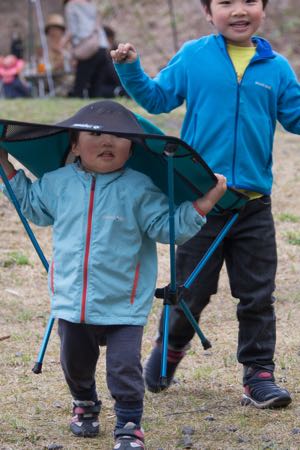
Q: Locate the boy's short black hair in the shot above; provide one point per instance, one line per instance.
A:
(74, 136)
(206, 3)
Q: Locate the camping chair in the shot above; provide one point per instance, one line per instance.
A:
(173, 166)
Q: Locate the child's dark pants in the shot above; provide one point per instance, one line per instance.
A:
(249, 251)
(79, 355)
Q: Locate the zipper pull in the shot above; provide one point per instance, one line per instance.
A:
(93, 183)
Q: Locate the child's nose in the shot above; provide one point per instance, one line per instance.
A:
(239, 10)
(106, 139)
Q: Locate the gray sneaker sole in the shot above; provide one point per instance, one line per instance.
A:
(276, 402)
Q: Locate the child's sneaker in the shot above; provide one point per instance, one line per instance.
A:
(129, 437)
(85, 421)
(262, 391)
(152, 368)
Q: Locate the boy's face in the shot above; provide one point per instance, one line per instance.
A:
(102, 153)
(236, 20)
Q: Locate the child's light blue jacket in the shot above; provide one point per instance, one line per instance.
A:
(104, 264)
(230, 124)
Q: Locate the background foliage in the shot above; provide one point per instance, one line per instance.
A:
(147, 24)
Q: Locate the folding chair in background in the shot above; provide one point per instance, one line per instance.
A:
(173, 166)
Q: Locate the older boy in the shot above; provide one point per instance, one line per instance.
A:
(235, 87)
(106, 219)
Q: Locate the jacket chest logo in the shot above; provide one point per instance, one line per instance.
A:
(263, 85)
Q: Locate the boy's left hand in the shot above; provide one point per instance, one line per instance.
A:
(124, 53)
(207, 202)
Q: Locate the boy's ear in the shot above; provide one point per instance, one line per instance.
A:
(75, 150)
(208, 15)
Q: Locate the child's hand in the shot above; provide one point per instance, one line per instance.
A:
(207, 202)
(3, 156)
(124, 53)
(5, 163)
(220, 188)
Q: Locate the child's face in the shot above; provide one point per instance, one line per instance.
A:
(102, 153)
(55, 33)
(236, 20)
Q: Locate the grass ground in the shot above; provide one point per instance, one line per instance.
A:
(35, 409)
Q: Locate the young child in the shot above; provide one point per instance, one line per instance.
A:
(13, 82)
(106, 219)
(235, 87)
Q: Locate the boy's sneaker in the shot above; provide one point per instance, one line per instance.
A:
(129, 437)
(152, 368)
(262, 391)
(85, 421)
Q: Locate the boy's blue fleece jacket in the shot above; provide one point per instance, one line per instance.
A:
(230, 124)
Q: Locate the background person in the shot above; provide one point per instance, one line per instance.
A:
(95, 76)
(59, 52)
(237, 74)
(13, 83)
(17, 43)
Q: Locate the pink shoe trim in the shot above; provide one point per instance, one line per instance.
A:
(174, 356)
(265, 375)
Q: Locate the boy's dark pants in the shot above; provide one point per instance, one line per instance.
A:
(249, 251)
(79, 355)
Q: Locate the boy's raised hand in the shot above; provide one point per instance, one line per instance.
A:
(207, 202)
(124, 53)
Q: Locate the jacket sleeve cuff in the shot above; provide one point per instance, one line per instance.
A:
(128, 68)
(199, 211)
(12, 175)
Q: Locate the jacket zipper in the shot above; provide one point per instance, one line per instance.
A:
(235, 130)
(239, 83)
(256, 57)
(87, 250)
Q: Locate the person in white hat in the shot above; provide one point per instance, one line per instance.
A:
(60, 57)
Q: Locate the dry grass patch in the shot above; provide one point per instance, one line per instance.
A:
(35, 409)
